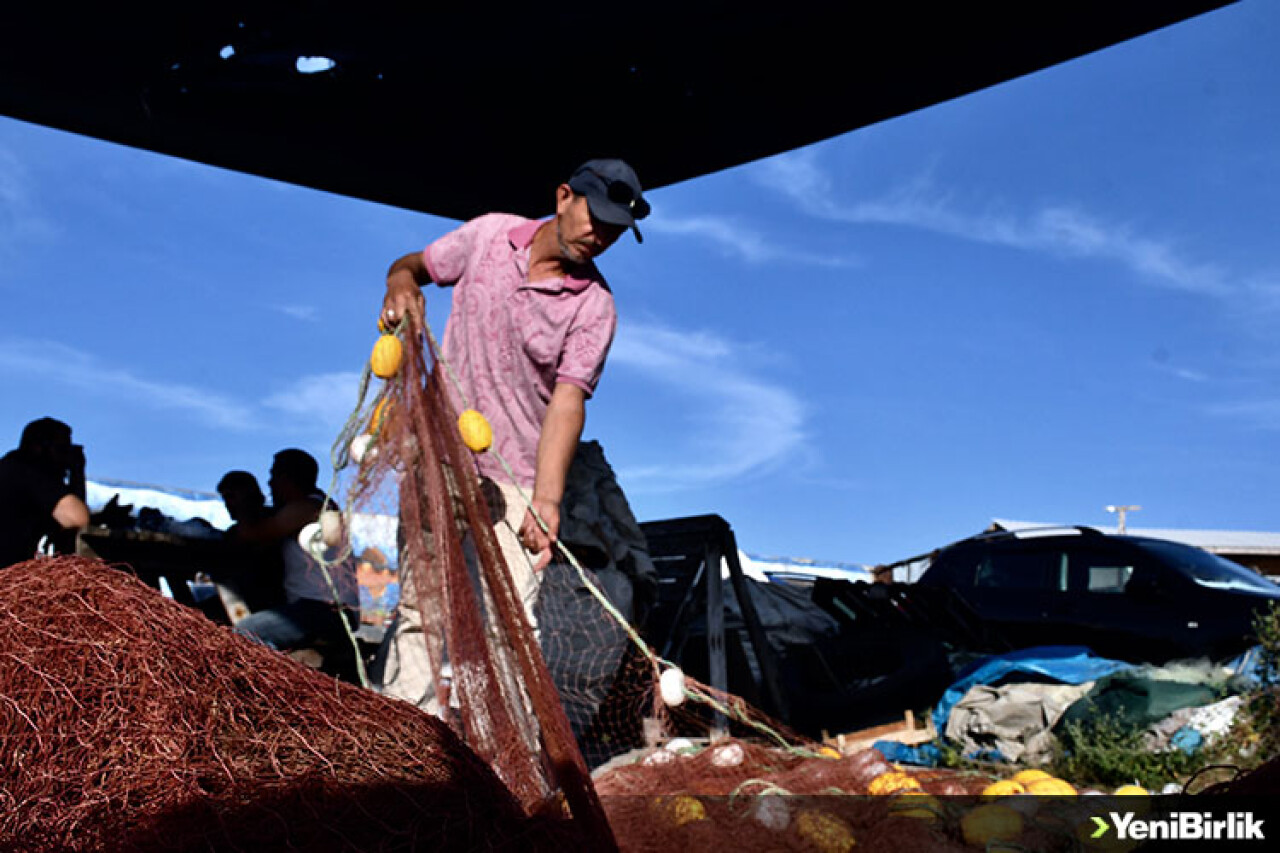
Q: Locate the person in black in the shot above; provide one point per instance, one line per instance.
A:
(309, 612)
(243, 497)
(41, 492)
(259, 573)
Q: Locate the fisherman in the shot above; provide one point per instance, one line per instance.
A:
(531, 324)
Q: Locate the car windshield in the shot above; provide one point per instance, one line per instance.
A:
(1210, 570)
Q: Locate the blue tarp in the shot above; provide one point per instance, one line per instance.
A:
(925, 755)
(1246, 665)
(1063, 664)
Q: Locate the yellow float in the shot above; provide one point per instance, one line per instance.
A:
(825, 832)
(476, 432)
(1004, 788)
(386, 358)
(891, 783)
(992, 822)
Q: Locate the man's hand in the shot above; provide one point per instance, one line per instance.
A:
(404, 289)
(536, 540)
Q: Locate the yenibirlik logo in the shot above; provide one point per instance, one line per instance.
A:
(1182, 826)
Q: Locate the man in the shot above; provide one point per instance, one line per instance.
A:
(309, 612)
(243, 497)
(41, 491)
(531, 323)
(258, 575)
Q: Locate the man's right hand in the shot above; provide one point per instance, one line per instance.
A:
(404, 289)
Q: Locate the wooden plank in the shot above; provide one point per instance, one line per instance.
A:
(905, 732)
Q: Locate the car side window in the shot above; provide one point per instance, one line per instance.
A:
(1043, 569)
(954, 568)
(1101, 572)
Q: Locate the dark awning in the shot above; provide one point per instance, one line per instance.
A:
(459, 108)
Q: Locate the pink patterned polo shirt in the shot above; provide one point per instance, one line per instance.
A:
(510, 340)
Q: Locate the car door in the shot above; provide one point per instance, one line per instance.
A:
(1020, 586)
(1125, 605)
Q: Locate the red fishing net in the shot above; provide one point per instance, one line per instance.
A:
(130, 722)
(403, 454)
(593, 685)
(508, 709)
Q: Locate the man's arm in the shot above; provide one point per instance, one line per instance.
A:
(561, 429)
(282, 524)
(404, 288)
(71, 513)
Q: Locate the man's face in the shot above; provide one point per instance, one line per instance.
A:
(581, 237)
(58, 455)
(239, 502)
(276, 485)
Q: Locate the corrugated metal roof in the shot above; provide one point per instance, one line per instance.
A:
(1214, 541)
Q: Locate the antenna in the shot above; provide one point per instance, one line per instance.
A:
(1121, 511)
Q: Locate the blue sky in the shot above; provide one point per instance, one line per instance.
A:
(1043, 298)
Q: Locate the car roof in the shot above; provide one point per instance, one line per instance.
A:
(990, 536)
(1080, 533)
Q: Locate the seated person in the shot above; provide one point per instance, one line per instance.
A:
(243, 498)
(259, 576)
(41, 492)
(309, 612)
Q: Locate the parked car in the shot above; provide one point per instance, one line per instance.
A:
(1130, 598)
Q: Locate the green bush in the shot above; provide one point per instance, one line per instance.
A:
(1105, 751)
(1257, 731)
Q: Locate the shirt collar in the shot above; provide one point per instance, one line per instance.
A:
(521, 238)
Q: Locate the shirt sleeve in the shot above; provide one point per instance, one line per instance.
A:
(587, 344)
(446, 258)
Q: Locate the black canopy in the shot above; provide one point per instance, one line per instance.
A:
(459, 108)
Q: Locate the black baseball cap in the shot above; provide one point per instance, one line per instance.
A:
(612, 191)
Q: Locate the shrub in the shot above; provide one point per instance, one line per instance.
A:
(1107, 751)
(1257, 730)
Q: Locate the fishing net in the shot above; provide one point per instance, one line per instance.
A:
(532, 710)
(131, 722)
(407, 452)
(679, 765)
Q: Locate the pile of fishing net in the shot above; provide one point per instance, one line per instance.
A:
(750, 796)
(759, 797)
(130, 722)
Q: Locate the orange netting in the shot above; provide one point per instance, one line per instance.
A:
(130, 722)
(594, 686)
(510, 712)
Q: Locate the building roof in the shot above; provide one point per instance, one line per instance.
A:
(1214, 541)
(460, 108)
(764, 568)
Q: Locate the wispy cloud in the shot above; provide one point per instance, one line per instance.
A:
(743, 423)
(306, 313)
(20, 219)
(1255, 414)
(58, 364)
(737, 240)
(321, 402)
(1186, 374)
(1061, 229)
(324, 400)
